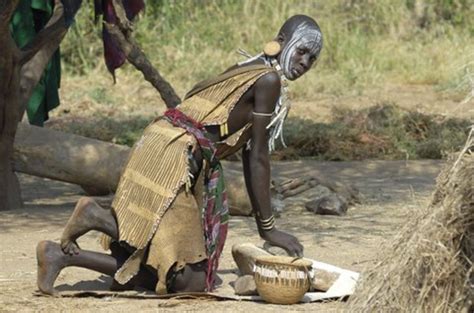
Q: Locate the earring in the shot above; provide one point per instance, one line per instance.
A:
(272, 48)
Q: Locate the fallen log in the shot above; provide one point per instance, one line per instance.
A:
(70, 158)
(93, 164)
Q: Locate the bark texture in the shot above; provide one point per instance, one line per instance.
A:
(9, 103)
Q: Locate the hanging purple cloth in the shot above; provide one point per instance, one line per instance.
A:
(114, 56)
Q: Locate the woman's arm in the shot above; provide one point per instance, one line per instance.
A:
(256, 164)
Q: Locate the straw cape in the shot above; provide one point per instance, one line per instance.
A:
(429, 266)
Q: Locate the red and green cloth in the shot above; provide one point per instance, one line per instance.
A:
(215, 213)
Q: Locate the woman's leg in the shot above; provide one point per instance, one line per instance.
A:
(51, 260)
(87, 215)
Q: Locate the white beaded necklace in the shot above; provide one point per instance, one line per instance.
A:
(283, 104)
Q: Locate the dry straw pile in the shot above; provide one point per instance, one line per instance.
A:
(429, 265)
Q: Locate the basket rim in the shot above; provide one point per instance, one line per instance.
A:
(295, 262)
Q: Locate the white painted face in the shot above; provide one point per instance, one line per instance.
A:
(301, 50)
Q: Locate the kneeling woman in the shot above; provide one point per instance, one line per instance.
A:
(168, 222)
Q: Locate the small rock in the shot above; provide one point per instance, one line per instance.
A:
(320, 191)
(277, 205)
(328, 205)
(245, 286)
(323, 280)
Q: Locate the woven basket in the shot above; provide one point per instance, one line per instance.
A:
(282, 279)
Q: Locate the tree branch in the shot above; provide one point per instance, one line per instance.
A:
(122, 21)
(8, 50)
(51, 35)
(122, 35)
(139, 60)
(6, 11)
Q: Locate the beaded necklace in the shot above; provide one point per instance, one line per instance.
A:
(283, 104)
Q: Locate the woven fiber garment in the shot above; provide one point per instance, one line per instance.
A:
(180, 239)
(210, 102)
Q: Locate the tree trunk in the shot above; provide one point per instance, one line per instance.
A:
(10, 192)
(20, 68)
(10, 197)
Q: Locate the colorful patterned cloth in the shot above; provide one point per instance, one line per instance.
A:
(215, 213)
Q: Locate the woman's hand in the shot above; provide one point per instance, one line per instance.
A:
(283, 240)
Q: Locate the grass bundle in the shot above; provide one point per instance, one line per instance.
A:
(429, 265)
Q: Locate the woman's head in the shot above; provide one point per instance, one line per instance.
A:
(301, 40)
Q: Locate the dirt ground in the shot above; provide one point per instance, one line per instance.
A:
(391, 190)
(418, 98)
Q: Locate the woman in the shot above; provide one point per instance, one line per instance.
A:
(163, 233)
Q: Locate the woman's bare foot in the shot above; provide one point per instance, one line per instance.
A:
(87, 215)
(50, 259)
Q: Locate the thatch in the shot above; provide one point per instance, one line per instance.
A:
(429, 265)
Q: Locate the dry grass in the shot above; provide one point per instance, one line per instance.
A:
(383, 131)
(367, 43)
(429, 265)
